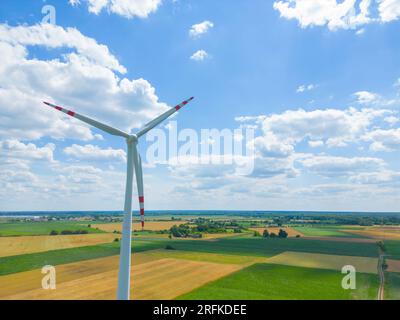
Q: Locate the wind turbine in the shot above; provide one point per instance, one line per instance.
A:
(134, 163)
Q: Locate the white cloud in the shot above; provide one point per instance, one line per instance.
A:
(383, 140)
(389, 10)
(52, 36)
(316, 143)
(199, 55)
(330, 166)
(91, 152)
(201, 28)
(14, 149)
(82, 79)
(366, 97)
(345, 14)
(304, 88)
(331, 126)
(384, 177)
(125, 8)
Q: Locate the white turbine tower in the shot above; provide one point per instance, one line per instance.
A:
(134, 162)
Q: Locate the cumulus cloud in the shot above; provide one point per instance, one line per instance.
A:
(83, 79)
(333, 127)
(14, 149)
(346, 14)
(199, 55)
(383, 140)
(125, 8)
(201, 28)
(331, 166)
(91, 152)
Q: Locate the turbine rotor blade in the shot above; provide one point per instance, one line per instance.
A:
(139, 182)
(162, 117)
(94, 123)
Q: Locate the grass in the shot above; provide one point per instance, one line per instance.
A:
(26, 262)
(392, 286)
(321, 231)
(269, 247)
(41, 228)
(275, 282)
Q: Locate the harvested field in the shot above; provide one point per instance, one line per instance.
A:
(325, 261)
(152, 279)
(12, 246)
(393, 265)
(149, 225)
(380, 233)
(291, 232)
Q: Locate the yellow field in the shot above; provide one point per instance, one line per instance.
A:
(393, 265)
(325, 261)
(378, 232)
(153, 276)
(11, 246)
(149, 225)
(291, 232)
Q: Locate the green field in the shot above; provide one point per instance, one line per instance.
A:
(393, 249)
(322, 231)
(26, 262)
(392, 286)
(275, 282)
(42, 228)
(270, 247)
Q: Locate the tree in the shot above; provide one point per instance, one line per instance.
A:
(266, 233)
(282, 234)
(272, 235)
(53, 233)
(256, 234)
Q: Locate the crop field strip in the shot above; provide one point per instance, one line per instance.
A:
(42, 228)
(275, 282)
(153, 278)
(150, 225)
(26, 262)
(324, 261)
(12, 246)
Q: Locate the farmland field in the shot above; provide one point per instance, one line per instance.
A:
(149, 225)
(273, 282)
(324, 261)
(269, 247)
(26, 262)
(392, 286)
(12, 246)
(152, 279)
(321, 231)
(381, 233)
(42, 228)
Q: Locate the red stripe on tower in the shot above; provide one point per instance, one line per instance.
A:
(142, 212)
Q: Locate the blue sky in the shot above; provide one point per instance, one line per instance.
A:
(316, 79)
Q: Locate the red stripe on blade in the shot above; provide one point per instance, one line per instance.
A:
(58, 108)
(71, 113)
(141, 199)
